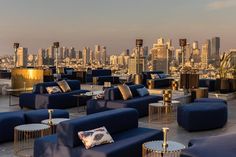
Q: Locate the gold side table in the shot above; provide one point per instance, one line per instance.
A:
(54, 122)
(156, 149)
(24, 136)
(161, 112)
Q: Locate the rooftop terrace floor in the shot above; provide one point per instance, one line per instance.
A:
(176, 133)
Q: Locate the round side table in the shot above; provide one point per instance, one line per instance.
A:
(55, 122)
(24, 136)
(163, 113)
(155, 148)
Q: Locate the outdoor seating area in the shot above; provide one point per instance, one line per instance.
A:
(67, 118)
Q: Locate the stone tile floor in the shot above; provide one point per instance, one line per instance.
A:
(176, 133)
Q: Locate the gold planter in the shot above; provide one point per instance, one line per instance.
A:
(174, 85)
(167, 96)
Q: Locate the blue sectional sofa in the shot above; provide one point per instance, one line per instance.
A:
(122, 124)
(101, 75)
(39, 98)
(202, 116)
(162, 82)
(9, 120)
(214, 146)
(113, 100)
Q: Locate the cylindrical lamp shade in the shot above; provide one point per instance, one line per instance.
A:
(56, 44)
(174, 85)
(167, 96)
(182, 42)
(16, 45)
(139, 42)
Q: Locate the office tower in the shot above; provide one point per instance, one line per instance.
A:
(144, 51)
(188, 52)
(196, 53)
(86, 55)
(159, 53)
(178, 56)
(133, 64)
(215, 51)
(80, 54)
(50, 52)
(169, 44)
(41, 57)
(233, 57)
(91, 56)
(113, 60)
(206, 48)
(103, 55)
(22, 57)
(127, 52)
(97, 52)
(72, 53)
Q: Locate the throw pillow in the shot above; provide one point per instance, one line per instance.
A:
(53, 89)
(155, 76)
(125, 92)
(95, 137)
(143, 91)
(64, 86)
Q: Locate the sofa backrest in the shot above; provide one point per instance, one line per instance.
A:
(101, 72)
(41, 87)
(114, 93)
(115, 121)
(147, 74)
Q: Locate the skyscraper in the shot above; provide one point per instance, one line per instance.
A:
(196, 53)
(206, 49)
(22, 57)
(103, 55)
(41, 57)
(97, 52)
(86, 54)
(215, 51)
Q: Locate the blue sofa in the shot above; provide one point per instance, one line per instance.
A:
(210, 100)
(214, 146)
(9, 120)
(122, 124)
(202, 116)
(39, 98)
(102, 75)
(113, 100)
(209, 83)
(162, 82)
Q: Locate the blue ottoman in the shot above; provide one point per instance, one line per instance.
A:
(8, 120)
(202, 116)
(36, 116)
(210, 100)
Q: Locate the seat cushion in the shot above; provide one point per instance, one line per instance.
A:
(215, 146)
(36, 116)
(210, 100)
(8, 121)
(202, 116)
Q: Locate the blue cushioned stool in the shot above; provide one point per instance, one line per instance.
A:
(202, 116)
(210, 100)
(36, 116)
(8, 120)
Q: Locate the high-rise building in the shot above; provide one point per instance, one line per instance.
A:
(72, 53)
(215, 51)
(86, 54)
(41, 57)
(206, 49)
(103, 55)
(97, 52)
(22, 57)
(233, 57)
(188, 52)
(159, 53)
(136, 66)
(50, 52)
(196, 53)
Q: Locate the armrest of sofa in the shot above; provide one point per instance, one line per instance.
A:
(27, 100)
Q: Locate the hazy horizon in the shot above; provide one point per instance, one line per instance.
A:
(115, 24)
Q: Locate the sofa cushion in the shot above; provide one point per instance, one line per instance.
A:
(53, 89)
(155, 76)
(125, 92)
(95, 137)
(133, 89)
(143, 91)
(64, 86)
(115, 121)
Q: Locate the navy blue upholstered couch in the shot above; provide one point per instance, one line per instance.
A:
(161, 82)
(102, 75)
(122, 124)
(209, 83)
(39, 98)
(9, 120)
(113, 100)
(214, 146)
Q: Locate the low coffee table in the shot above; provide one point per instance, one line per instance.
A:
(162, 112)
(24, 136)
(155, 148)
(55, 122)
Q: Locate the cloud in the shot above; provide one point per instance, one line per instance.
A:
(221, 4)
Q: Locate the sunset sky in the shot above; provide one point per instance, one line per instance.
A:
(114, 23)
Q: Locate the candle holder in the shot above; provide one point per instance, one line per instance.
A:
(167, 96)
(165, 141)
(50, 111)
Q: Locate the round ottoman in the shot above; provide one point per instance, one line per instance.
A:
(210, 100)
(202, 116)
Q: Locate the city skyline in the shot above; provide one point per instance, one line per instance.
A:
(115, 24)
